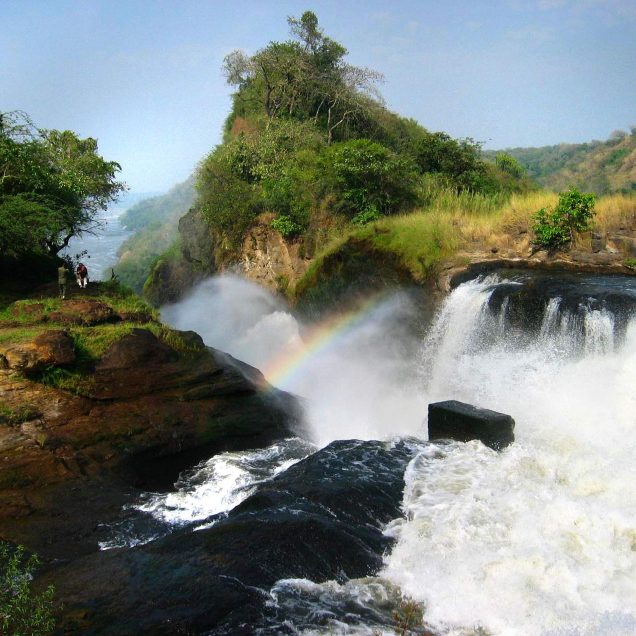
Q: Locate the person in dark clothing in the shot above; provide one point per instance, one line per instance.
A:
(81, 273)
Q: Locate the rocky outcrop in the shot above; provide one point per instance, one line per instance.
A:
(197, 242)
(269, 260)
(147, 411)
(265, 258)
(464, 422)
(51, 348)
(321, 519)
(191, 258)
(83, 312)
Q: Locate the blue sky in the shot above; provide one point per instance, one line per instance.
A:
(144, 77)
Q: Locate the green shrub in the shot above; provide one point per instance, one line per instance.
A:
(22, 611)
(555, 227)
(366, 175)
(286, 226)
(366, 216)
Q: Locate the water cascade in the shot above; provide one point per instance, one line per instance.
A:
(537, 539)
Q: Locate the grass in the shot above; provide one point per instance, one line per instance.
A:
(14, 416)
(452, 224)
(91, 342)
(20, 334)
(615, 213)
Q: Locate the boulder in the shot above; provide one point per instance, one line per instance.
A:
(464, 422)
(51, 348)
(135, 351)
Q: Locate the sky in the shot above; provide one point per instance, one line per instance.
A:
(144, 76)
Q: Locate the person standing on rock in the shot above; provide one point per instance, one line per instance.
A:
(62, 275)
(81, 273)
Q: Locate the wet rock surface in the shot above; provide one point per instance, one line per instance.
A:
(321, 519)
(464, 422)
(528, 295)
(145, 413)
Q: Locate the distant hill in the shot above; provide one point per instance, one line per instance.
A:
(155, 223)
(160, 208)
(597, 166)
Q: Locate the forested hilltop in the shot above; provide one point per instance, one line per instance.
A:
(309, 149)
(309, 140)
(599, 166)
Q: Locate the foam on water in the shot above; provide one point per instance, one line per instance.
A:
(538, 539)
(209, 489)
(223, 481)
(541, 538)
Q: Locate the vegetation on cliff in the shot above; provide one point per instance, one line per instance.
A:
(455, 228)
(23, 612)
(155, 222)
(309, 139)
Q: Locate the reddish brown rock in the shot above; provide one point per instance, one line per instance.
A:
(51, 348)
(136, 350)
(83, 312)
(146, 412)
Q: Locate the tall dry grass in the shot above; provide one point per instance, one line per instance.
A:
(453, 223)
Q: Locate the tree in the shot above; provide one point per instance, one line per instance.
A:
(509, 165)
(303, 79)
(555, 227)
(52, 186)
(370, 179)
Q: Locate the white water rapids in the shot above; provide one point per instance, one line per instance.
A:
(537, 539)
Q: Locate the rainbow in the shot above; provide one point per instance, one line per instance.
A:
(322, 336)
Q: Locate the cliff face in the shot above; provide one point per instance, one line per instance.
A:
(144, 411)
(269, 260)
(265, 258)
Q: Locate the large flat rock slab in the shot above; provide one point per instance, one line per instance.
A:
(464, 422)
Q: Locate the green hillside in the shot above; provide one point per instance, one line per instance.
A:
(598, 166)
(156, 221)
(309, 140)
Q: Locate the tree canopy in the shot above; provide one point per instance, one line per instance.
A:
(52, 186)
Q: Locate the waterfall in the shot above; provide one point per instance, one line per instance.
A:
(537, 539)
(541, 538)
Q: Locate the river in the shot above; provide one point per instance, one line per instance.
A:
(101, 247)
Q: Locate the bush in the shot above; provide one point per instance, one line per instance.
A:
(365, 175)
(22, 612)
(555, 227)
(286, 226)
(366, 216)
